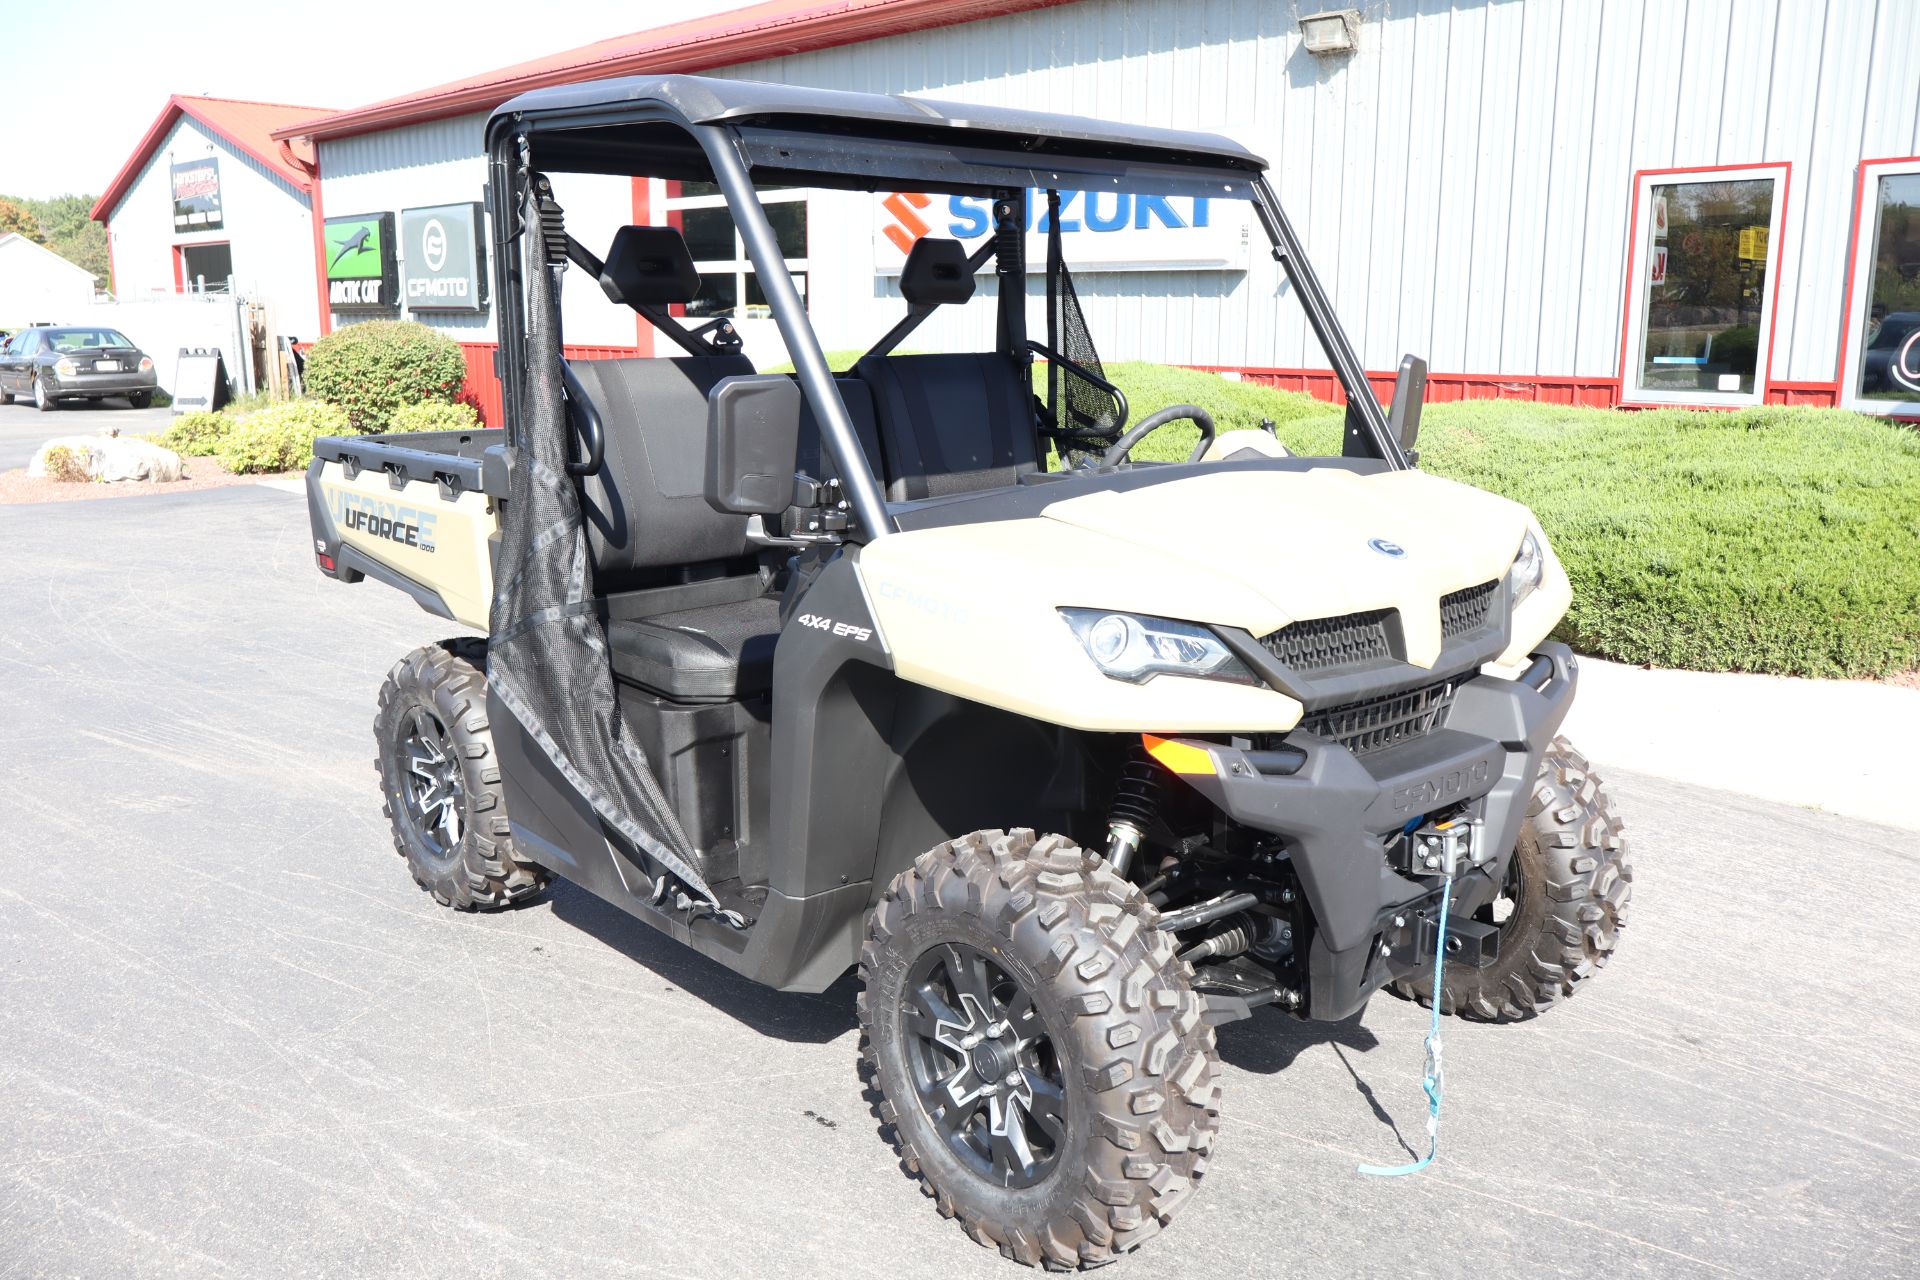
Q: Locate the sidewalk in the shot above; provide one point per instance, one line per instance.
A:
(1844, 746)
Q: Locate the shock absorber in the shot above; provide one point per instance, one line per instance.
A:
(1136, 802)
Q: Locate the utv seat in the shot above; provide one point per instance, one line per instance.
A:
(948, 423)
(649, 528)
(951, 423)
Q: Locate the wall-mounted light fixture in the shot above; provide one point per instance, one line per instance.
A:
(1329, 32)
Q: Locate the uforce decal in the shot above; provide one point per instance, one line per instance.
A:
(819, 623)
(396, 522)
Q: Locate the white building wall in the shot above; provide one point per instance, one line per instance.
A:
(267, 221)
(1463, 181)
(38, 286)
(443, 161)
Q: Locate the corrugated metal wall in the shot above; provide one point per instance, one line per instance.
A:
(1464, 179)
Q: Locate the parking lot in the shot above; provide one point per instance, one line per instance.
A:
(24, 428)
(236, 1040)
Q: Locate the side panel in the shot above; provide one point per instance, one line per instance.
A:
(412, 531)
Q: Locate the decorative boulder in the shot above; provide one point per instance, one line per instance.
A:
(113, 458)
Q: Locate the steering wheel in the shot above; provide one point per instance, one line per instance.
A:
(1147, 426)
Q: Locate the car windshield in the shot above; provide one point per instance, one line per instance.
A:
(75, 339)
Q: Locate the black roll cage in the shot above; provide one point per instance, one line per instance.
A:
(650, 129)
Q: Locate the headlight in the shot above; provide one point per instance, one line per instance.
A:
(1529, 567)
(65, 367)
(1128, 647)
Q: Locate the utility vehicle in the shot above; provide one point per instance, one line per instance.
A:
(907, 669)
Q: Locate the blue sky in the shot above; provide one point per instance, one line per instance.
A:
(83, 82)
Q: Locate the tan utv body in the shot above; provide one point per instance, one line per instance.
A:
(906, 670)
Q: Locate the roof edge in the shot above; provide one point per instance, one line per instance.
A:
(179, 105)
(60, 258)
(725, 47)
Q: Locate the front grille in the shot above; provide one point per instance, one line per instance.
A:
(1378, 723)
(1465, 612)
(1319, 644)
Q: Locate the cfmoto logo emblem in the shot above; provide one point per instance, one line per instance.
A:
(433, 245)
(1386, 548)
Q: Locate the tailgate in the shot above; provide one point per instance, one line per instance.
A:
(407, 517)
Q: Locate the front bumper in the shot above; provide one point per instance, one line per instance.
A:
(1334, 808)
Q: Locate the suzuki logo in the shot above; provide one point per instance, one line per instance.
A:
(1386, 548)
(908, 226)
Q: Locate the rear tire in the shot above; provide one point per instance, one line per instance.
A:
(1567, 891)
(42, 401)
(440, 780)
(140, 399)
(1097, 1018)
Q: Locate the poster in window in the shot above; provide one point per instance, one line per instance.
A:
(196, 195)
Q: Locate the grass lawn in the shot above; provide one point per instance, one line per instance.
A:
(1776, 540)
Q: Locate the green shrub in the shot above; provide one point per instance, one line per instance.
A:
(1776, 540)
(197, 434)
(434, 416)
(65, 465)
(371, 370)
(281, 438)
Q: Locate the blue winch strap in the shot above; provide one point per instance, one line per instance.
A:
(1434, 1073)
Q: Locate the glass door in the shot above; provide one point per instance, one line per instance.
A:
(1700, 300)
(1882, 373)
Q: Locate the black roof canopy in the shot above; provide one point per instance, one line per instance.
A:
(862, 140)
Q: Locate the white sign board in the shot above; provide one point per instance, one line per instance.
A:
(1099, 231)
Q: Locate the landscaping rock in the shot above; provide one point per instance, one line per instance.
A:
(112, 458)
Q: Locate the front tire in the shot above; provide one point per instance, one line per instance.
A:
(440, 780)
(1561, 909)
(1080, 1114)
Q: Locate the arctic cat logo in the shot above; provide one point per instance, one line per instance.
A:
(408, 526)
(819, 623)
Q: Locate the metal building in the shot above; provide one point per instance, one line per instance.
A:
(1710, 202)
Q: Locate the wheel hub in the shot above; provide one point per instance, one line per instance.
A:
(983, 1065)
(435, 794)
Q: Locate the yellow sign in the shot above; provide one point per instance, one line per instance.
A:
(1753, 244)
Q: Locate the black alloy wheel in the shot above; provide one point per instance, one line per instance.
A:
(984, 1066)
(435, 798)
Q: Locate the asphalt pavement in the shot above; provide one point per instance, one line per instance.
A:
(236, 1040)
(24, 428)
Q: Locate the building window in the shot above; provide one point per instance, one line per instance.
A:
(1700, 294)
(1881, 372)
(205, 268)
(728, 284)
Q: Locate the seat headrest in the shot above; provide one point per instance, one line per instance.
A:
(649, 266)
(936, 273)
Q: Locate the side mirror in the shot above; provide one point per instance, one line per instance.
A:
(1409, 394)
(753, 442)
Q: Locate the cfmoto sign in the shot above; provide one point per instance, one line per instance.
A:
(443, 262)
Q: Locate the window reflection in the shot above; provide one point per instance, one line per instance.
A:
(1704, 285)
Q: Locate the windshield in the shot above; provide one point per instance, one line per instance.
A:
(76, 339)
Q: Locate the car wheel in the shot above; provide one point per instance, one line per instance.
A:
(140, 399)
(41, 400)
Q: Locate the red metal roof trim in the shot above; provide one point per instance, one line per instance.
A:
(769, 30)
(246, 126)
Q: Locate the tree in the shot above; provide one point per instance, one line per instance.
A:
(16, 220)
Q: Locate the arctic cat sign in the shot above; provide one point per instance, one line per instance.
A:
(444, 267)
(360, 263)
(1099, 230)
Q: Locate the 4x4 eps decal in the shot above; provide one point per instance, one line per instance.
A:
(819, 623)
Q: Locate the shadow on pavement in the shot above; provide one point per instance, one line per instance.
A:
(803, 1019)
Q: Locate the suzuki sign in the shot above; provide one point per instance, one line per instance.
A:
(442, 263)
(1099, 230)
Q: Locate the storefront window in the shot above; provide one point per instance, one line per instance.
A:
(728, 285)
(1884, 364)
(1701, 305)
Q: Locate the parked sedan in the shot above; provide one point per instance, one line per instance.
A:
(50, 364)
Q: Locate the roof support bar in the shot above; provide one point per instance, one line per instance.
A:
(816, 380)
